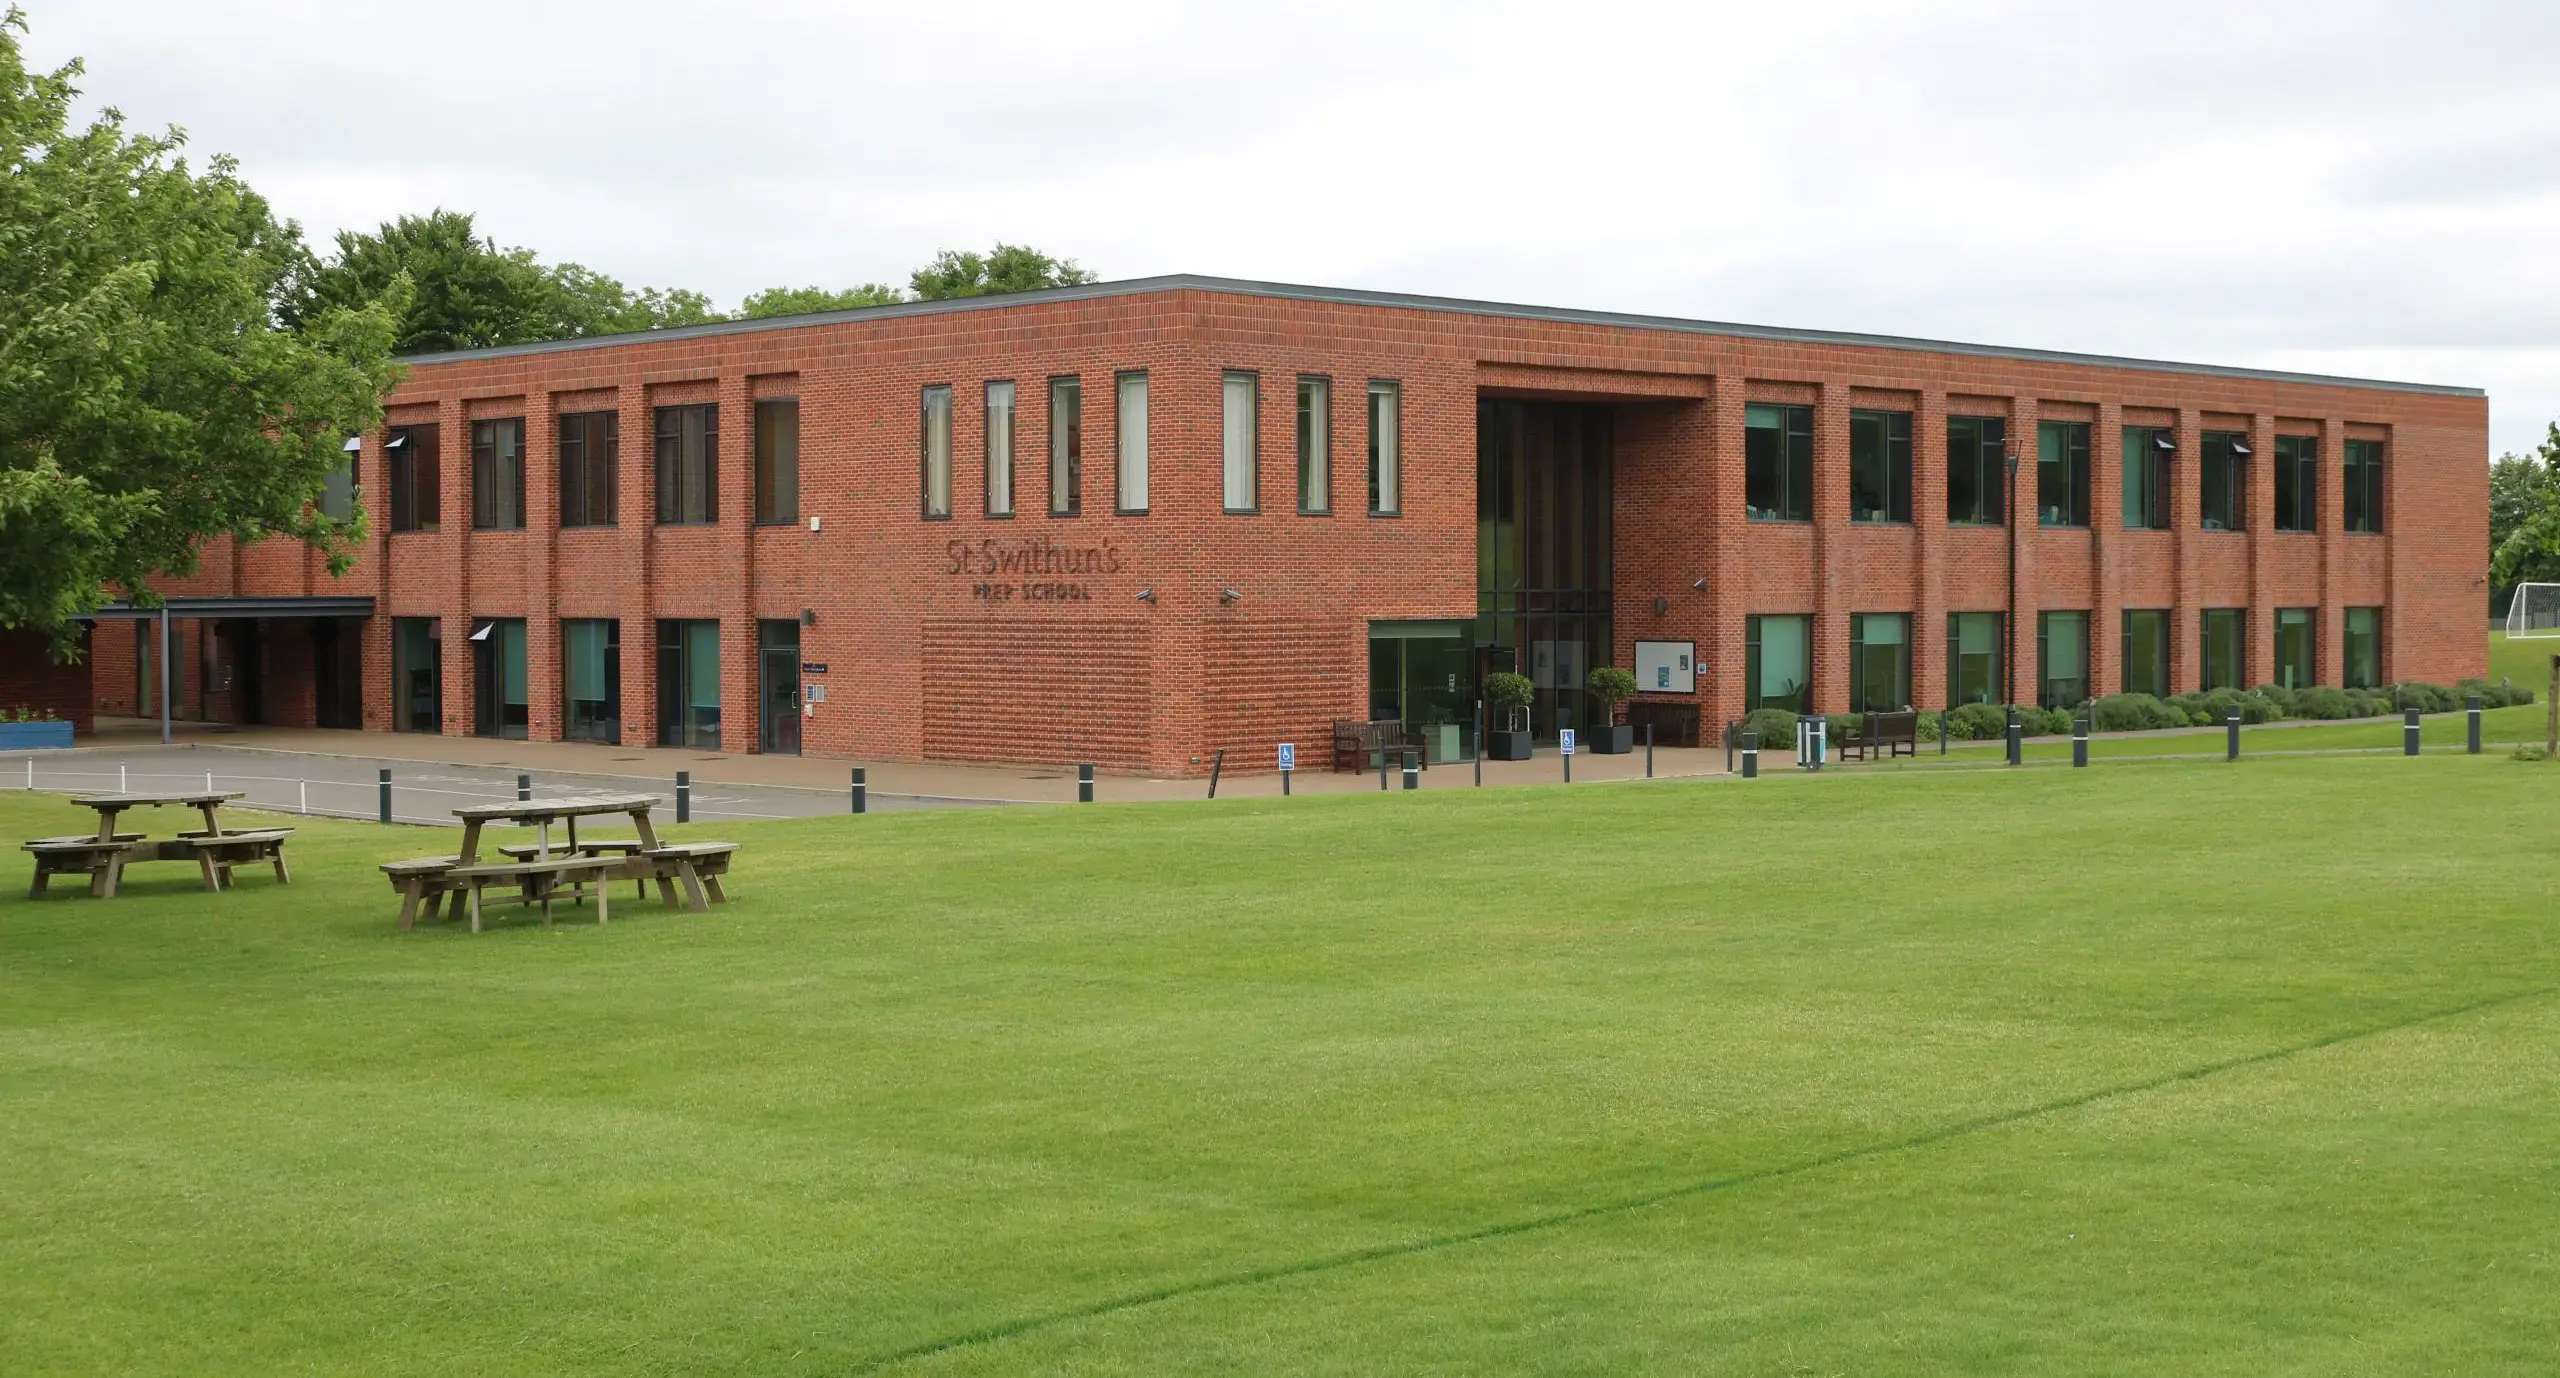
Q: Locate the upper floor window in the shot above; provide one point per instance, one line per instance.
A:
(497, 474)
(2364, 485)
(590, 455)
(416, 461)
(1777, 462)
(1386, 443)
(2147, 452)
(2062, 473)
(2297, 483)
(936, 444)
(1315, 444)
(1243, 397)
(2222, 481)
(1129, 427)
(689, 464)
(1880, 466)
(1066, 446)
(1977, 469)
(1000, 449)
(778, 459)
(338, 486)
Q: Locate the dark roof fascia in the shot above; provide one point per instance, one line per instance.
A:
(323, 605)
(1347, 296)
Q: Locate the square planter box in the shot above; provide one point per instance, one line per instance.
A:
(1609, 741)
(34, 736)
(1509, 746)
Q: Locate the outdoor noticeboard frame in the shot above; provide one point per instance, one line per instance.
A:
(1666, 667)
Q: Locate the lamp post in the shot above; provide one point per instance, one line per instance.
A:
(2009, 619)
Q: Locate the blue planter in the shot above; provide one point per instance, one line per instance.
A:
(34, 736)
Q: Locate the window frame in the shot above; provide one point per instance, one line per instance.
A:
(611, 673)
(1252, 458)
(401, 446)
(766, 480)
(1994, 687)
(493, 496)
(2308, 619)
(672, 470)
(1386, 466)
(2075, 470)
(1752, 698)
(926, 460)
(2236, 623)
(2360, 508)
(1315, 461)
(2044, 657)
(1990, 463)
(1858, 646)
(2158, 472)
(2232, 452)
(1895, 456)
(1794, 470)
(2162, 639)
(1001, 468)
(1121, 467)
(2350, 675)
(2297, 464)
(1066, 446)
(583, 426)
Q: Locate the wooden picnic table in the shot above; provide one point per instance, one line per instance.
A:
(104, 855)
(542, 813)
(109, 806)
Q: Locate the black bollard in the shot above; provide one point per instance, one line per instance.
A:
(861, 790)
(1648, 751)
(1084, 784)
(2231, 747)
(1216, 765)
(2017, 737)
(2079, 741)
(1480, 741)
(524, 788)
(2408, 732)
(1383, 754)
(1750, 755)
(1413, 770)
(386, 794)
(2473, 712)
(684, 796)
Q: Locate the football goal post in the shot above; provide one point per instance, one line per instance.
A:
(2534, 611)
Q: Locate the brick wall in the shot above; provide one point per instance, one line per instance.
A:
(31, 678)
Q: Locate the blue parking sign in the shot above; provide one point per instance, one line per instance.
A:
(1288, 756)
(1564, 741)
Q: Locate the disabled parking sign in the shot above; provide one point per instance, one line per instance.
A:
(1564, 741)
(1288, 756)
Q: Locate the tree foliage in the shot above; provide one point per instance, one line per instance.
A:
(150, 395)
(1010, 268)
(796, 301)
(2529, 549)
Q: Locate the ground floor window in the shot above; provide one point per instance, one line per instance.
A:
(2297, 657)
(497, 661)
(1973, 657)
(2146, 651)
(1879, 662)
(591, 674)
(689, 683)
(778, 687)
(1422, 674)
(1777, 662)
(2223, 662)
(2360, 657)
(417, 674)
(2062, 659)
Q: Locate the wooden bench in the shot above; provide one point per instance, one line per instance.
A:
(427, 878)
(624, 847)
(538, 880)
(102, 859)
(217, 853)
(1882, 734)
(699, 865)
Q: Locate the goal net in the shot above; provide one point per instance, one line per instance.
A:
(2534, 611)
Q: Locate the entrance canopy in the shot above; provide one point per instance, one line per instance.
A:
(335, 605)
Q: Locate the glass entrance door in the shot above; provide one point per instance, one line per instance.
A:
(778, 698)
(1422, 674)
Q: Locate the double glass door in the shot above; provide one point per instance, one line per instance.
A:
(1422, 674)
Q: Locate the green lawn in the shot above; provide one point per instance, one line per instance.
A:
(2527, 662)
(2156, 1069)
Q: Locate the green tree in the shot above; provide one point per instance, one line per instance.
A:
(150, 397)
(589, 303)
(2524, 518)
(1011, 268)
(796, 301)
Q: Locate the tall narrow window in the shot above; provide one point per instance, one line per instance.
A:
(2364, 486)
(1973, 657)
(338, 486)
(417, 674)
(416, 460)
(2147, 452)
(1129, 429)
(1000, 449)
(1243, 448)
(2222, 481)
(2297, 652)
(778, 460)
(936, 444)
(1066, 447)
(1880, 466)
(1977, 470)
(1315, 445)
(1777, 463)
(1386, 445)
(2146, 652)
(2360, 658)
(590, 450)
(689, 683)
(688, 464)
(2062, 659)
(2062, 473)
(497, 474)
(591, 679)
(2297, 483)
(2223, 663)
(502, 708)
(1777, 663)
(1879, 662)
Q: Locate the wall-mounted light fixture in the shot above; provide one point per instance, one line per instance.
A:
(1146, 595)
(1661, 606)
(2241, 448)
(397, 440)
(1699, 583)
(808, 617)
(2161, 441)
(1229, 596)
(355, 444)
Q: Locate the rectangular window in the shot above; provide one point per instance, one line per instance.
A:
(497, 662)
(2146, 652)
(2364, 486)
(2297, 483)
(2062, 659)
(1129, 427)
(416, 459)
(1777, 463)
(590, 456)
(1243, 443)
(417, 674)
(1777, 663)
(497, 474)
(778, 460)
(1315, 444)
(2062, 473)
(1977, 470)
(689, 683)
(1880, 466)
(1974, 648)
(2360, 659)
(1879, 662)
(1000, 449)
(2148, 451)
(2297, 651)
(338, 488)
(591, 679)
(688, 464)
(2224, 659)
(935, 443)
(2222, 480)
(1066, 446)
(1386, 441)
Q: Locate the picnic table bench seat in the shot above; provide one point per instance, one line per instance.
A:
(697, 865)
(217, 853)
(102, 859)
(589, 846)
(537, 880)
(420, 878)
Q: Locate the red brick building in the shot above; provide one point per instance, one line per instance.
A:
(1132, 523)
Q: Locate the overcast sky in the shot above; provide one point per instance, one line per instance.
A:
(2365, 188)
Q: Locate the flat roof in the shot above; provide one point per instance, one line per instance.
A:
(1348, 296)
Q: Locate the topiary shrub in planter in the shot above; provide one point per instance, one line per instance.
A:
(1611, 686)
(2134, 713)
(1509, 695)
(1977, 722)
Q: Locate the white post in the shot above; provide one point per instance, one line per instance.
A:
(31, 775)
(120, 785)
(166, 681)
(208, 782)
(303, 787)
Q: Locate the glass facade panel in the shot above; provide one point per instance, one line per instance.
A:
(1977, 469)
(1543, 548)
(1777, 662)
(2148, 452)
(2222, 478)
(688, 464)
(417, 674)
(591, 673)
(498, 669)
(1880, 466)
(2062, 659)
(1879, 662)
(1421, 674)
(2146, 652)
(2223, 663)
(2062, 473)
(1974, 648)
(1777, 462)
(2297, 483)
(589, 455)
(2363, 496)
(689, 683)
(2360, 658)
